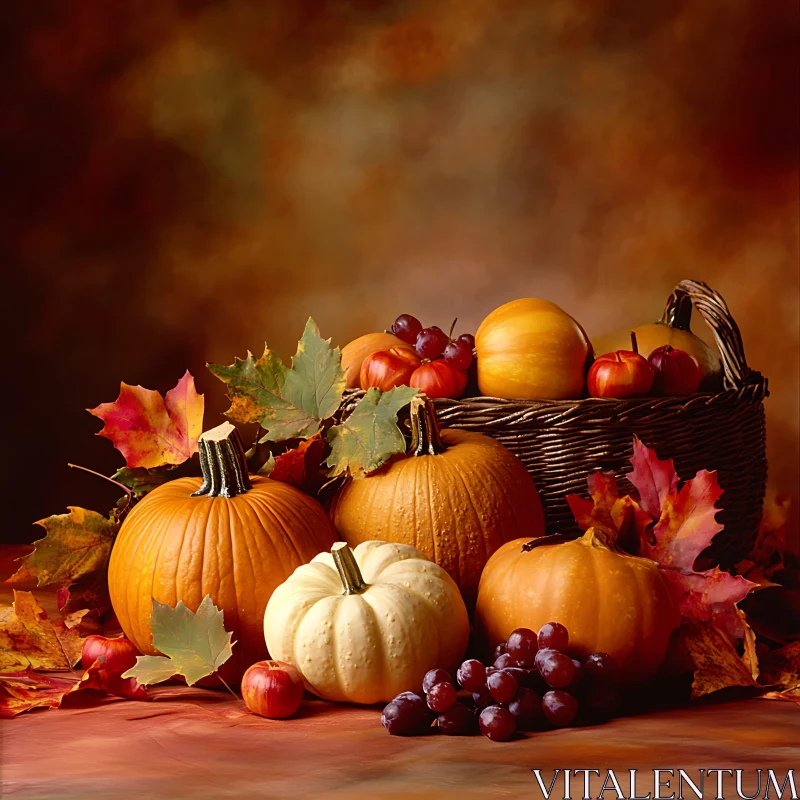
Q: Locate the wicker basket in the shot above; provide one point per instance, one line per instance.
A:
(562, 441)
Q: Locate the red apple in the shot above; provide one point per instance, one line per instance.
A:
(272, 689)
(438, 379)
(120, 654)
(676, 371)
(388, 368)
(621, 374)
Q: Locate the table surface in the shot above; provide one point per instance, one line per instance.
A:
(194, 743)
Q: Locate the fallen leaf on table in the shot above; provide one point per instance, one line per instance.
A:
(792, 695)
(782, 667)
(288, 403)
(151, 430)
(28, 639)
(687, 523)
(302, 466)
(76, 545)
(653, 478)
(90, 593)
(369, 436)
(27, 690)
(717, 665)
(194, 644)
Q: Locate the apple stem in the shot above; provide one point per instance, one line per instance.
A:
(452, 328)
(634, 343)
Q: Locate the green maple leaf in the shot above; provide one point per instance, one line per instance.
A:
(254, 385)
(142, 481)
(369, 436)
(288, 403)
(77, 544)
(195, 644)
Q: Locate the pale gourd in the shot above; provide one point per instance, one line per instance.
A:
(363, 625)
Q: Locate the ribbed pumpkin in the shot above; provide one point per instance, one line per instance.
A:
(456, 497)
(231, 536)
(531, 349)
(672, 329)
(609, 601)
(362, 626)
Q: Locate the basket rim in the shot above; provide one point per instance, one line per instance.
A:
(756, 390)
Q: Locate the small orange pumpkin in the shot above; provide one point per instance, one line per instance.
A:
(609, 601)
(231, 536)
(456, 497)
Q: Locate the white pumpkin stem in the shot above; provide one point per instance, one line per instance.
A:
(349, 573)
(223, 462)
(425, 438)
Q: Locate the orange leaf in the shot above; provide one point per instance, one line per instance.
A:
(302, 466)
(654, 479)
(717, 665)
(782, 667)
(688, 522)
(28, 639)
(24, 691)
(151, 430)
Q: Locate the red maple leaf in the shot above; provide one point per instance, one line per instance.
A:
(302, 466)
(654, 479)
(151, 430)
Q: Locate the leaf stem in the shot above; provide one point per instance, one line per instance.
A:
(236, 696)
(122, 486)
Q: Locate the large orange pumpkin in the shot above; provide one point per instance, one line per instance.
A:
(531, 349)
(354, 353)
(230, 536)
(609, 601)
(456, 497)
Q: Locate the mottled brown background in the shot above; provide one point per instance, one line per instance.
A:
(183, 179)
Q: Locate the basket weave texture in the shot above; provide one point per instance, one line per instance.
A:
(562, 441)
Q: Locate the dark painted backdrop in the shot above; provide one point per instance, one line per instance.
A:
(183, 179)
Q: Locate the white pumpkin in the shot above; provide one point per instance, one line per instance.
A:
(362, 626)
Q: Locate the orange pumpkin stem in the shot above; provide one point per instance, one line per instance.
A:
(346, 566)
(223, 462)
(425, 439)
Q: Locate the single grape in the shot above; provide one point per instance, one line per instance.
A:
(430, 343)
(406, 328)
(458, 355)
(498, 651)
(527, 708)
(600, 667)
(471, 675)
(541, 656)
(553, 635)
(560, 708)
(522, 646)
(497, 723)
(468, 338)
(441, 696)
(502, 686)
(406, 715)
(602, 702)
(457, 720)
(434, 676)
(558, 670)
(482, 698)
(503, 661)
(521, 675)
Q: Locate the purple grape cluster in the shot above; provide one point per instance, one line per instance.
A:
(432, 343)
(532, 684)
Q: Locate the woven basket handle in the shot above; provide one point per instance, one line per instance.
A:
(716, 313)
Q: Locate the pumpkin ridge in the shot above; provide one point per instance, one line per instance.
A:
(433, 520)
(160, 534)
(238, 539)
(484, 535)
(501, 485)
(266, 503)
